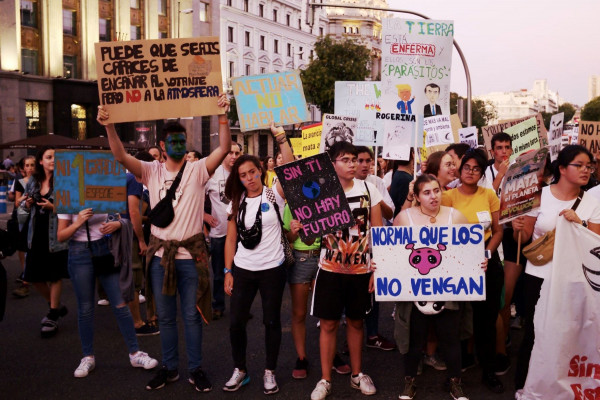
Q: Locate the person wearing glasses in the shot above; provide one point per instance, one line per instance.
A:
(481, 206)
(574, 166)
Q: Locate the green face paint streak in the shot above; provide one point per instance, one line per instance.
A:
(175, 146)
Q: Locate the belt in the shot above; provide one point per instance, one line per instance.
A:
(309, 253)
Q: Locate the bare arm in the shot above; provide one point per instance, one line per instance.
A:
(376, 215)
(401, 219)
(136, 220)
(66, 229)
(217, 156)
(459, 218)
(131, 163)
(497, 232)
(524, 225)
(386, 211)
(230, 253)
(285, 149)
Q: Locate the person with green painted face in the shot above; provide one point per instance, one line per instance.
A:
(177, 257)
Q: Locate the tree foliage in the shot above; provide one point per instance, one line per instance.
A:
(343, 60)
(482, 112)
(591, 111)
(569, 110)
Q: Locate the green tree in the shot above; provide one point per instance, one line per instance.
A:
(591, 111)
(569, 110)
(232, 114)
(343, 60)
(482, 112)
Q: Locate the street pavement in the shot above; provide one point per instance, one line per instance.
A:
(36, 368)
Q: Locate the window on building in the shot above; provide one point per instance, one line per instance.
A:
(276, 46)
(205, 129)
(248, 70)
(247, 39)
(288, 18)
(231, 70)
(275, 15)
(29, 61)
(312, 54)
(104, 30)
(134, 4)
(230, 34)
(345, 30)
(135, 32)
(262, 42)
(78, 121)
(321, 31)
(246, 5)
(203, 12)
(163, 34)
(69, 22)
(229, 3)
(162, 7)
(69, 66)
(300, 52)
(263, 70)
(35, 118)
(263, 145)
(300, 23)
(29, 11)
(261, 10)
(289, 49)
(356, 30)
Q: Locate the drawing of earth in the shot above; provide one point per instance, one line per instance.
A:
(311, 189)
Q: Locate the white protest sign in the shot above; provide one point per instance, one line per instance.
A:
(429, 263)
(361, 100)
(337, 128)
(555, 134)
(397, 139)
(468, 135)
(439, 131)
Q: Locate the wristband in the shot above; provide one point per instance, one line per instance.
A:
(224, 122)
(584, 223)
(226, 270)
(279, 134)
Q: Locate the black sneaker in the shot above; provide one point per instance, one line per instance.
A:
(468, 361)
(491, 381)
(147, 330)
(301, 369)
(200, 381)
(163, 377)
(502, 364)
(340, 366)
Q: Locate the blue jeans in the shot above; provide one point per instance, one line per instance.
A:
(166, 308)
(217, 257)
(84, 283)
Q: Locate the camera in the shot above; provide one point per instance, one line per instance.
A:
(37, 197)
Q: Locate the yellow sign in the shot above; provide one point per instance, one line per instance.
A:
(311, 139)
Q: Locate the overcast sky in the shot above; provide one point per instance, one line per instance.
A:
(509, 43)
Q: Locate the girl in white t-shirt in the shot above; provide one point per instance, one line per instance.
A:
(573, 170)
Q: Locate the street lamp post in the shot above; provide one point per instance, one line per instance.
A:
(460, 53)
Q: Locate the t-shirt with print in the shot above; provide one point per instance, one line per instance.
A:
(215, 190)
(348, 251)
(269, 252)
(188, 204)
(547, 216)
(477, 207)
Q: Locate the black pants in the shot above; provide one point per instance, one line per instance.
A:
(270, 283)
(485, 314)
(447, 329)
(532, 286)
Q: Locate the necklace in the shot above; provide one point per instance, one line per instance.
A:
(431, 217)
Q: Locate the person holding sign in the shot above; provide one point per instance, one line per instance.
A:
(254, 260)
(481, 206)
(176, 255)
(345, 277)
(573, 170)
(428, 211)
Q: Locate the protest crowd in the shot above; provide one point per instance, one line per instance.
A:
(198, 230)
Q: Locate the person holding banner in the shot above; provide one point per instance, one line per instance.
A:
(574, 165)
(481, 206)
(428, 211)
(176, 256)
(254, 260)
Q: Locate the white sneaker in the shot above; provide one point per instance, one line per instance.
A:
(237, 380)
(364, 383)
(86, 365)
(270, 383)
(322, 390)
(142, 360)
(103, 302)
(142, 298)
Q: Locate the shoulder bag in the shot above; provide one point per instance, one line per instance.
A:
(162, 214)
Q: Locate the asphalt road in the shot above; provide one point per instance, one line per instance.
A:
(36, 368)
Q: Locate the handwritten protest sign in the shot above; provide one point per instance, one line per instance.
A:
(142, 80)
(439, 131)
(524, 137)
(277, 97)
(589, 136)
(522, 185)
(491, 130)
(361, 100)
(337, 128)
(429, 263)
(468, 135)
(88, 179)
(555, 134)
(417, 59)
(311, 139)
(315, 196)
(296, 144)
(398, 139)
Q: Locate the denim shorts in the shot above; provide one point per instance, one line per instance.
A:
(305, 268)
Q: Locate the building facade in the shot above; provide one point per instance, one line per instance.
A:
(593, 87)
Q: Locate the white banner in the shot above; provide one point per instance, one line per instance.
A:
(398, 139)
(360, 100)
(565, 361)
(429, 263)
(468, 135)
(555, 134)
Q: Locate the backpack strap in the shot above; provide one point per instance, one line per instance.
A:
(271, 197)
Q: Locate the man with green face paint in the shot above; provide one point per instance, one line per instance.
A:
(177, 258)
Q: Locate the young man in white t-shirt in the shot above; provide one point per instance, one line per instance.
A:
(501, 150)
(217, 219)
(344, 281)
(178, 270)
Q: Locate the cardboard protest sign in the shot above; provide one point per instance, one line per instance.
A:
(277, 97)
(311, 139)
(522, 185)
(468, 135)
(555, 134)
(417, 59)
(589, 136)
(524, 137)
(361, 100)
(429, 263)
(398, 139)
(315, 196)
(88, 179)
(142, 80)
(296, 144)
(337, 128)
(491, 130)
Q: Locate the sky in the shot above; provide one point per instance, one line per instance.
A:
(509, 43)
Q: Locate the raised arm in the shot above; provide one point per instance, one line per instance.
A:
(217, 156)
(284, 147)
(131, 163)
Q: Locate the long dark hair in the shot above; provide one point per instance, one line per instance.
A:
(568, 154)
(39, 174)
(234, 188)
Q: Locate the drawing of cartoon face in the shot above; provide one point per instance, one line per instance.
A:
(425, 259)
(432, 92)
